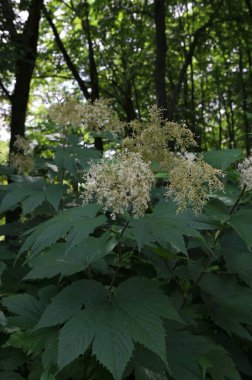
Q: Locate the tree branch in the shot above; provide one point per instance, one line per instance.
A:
(188, 59)
(66, 56)
(5, 91)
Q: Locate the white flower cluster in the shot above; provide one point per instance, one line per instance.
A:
(192, 180)
(22, 159)
(120, 184)
(245, 168)
(98, 116)
(67, 112)
(93, 116)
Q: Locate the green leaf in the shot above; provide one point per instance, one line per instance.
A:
(142, 373)
(222, 367)
(183, 351)
(134, 313)
(47, 376)
(77, 223)
(11, 359)
(189, 355)
(70, 300)
(161, 175)
(222, 159)
(31, 193)
(163, 226)
(27, 307)
(144, 304)
(9, 375)
(217, 210)
(204, 364)
(112, 345)
(58, 261)
(147, 365)
(231, 304)
(241, 223)
(74, 338)
(237, 256)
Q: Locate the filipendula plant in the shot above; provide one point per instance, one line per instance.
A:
(134, 265)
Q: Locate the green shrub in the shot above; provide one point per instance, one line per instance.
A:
(96, 290)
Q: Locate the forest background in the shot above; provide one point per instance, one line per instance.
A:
(191, 58)
(125, 236)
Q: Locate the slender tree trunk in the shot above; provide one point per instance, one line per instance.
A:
(93, 72)
(247, 128)
(220, 124)
(161, 49)
(232, 130)
(202, 93)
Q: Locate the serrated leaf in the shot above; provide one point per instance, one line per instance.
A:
(54, 193)
(112, 345)
(77, 223)
(163, 226)
(241, 223)
(237, 256)
(74, 338)
(70, 300)
(231, 304)
(144, 305)
(58, 261)
(31, 193)
(27, 307)
(183, 350)
(222, 367)
(133, 314)
(186, 353)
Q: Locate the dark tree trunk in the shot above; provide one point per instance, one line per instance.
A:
(203, 122)
(249, 6)
(95, 90)
(247, 128)
(161, 49)
(26, 53)
(24, 68)
(129, 106)
(220, 121)
(94, 79)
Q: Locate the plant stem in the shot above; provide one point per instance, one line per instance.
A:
(211, 254)
(238, 200)
(119, 256)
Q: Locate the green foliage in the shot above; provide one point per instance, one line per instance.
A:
(163, 296)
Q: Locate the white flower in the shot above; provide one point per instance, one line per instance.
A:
(191, 181)
(121, 183)
(190, 157)
(245, 168)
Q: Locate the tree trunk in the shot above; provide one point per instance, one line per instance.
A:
(24, 69)
(161, 48)
(247, 128)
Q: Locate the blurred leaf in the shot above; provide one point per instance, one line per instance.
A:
(222, 159)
